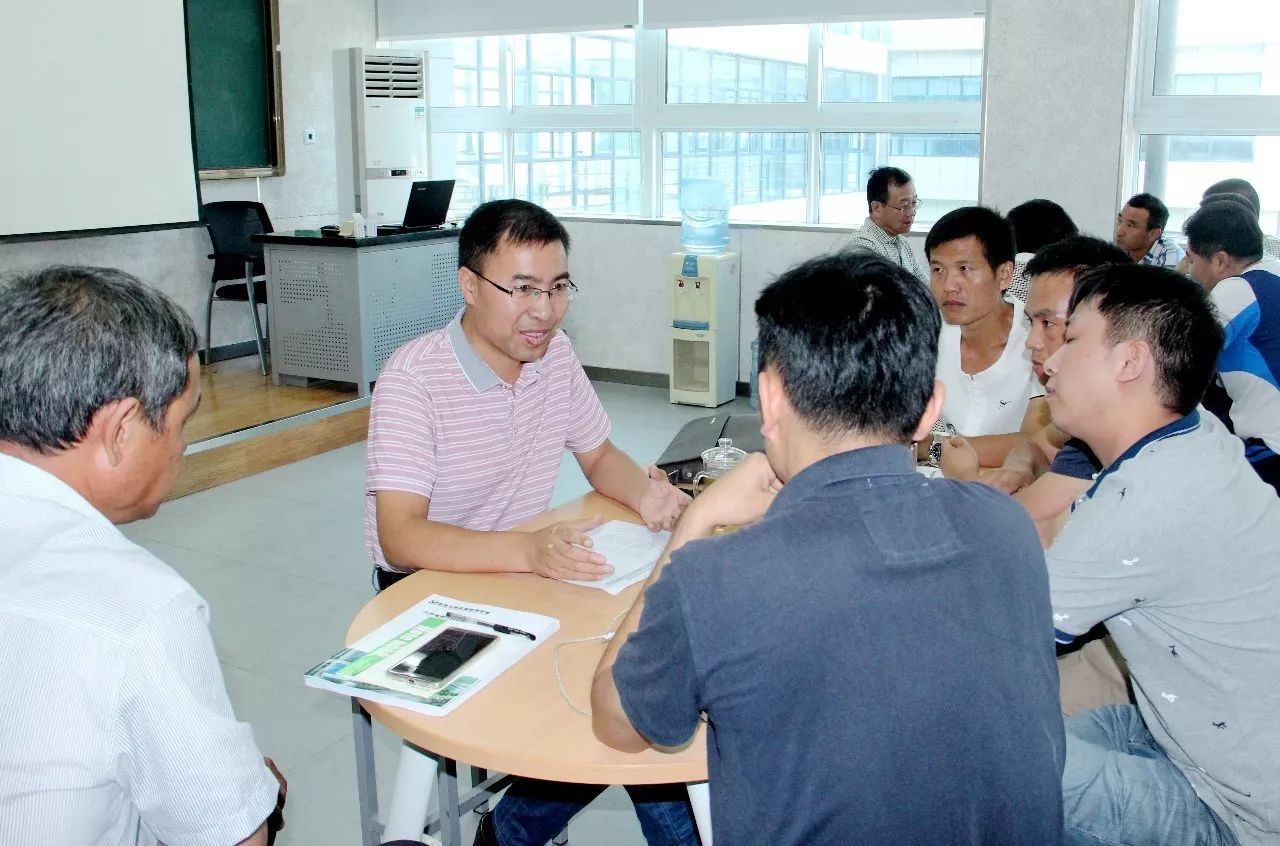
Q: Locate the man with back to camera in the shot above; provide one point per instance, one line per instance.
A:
(993, 396)
(1140, 232)
(466, 433)
(891, 209)
(946, 731)
(1224, 251)
(117, 729)
(1174, 548)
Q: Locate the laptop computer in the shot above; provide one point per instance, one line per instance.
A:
(428, 205)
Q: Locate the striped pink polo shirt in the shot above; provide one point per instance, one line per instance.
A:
(444, 426)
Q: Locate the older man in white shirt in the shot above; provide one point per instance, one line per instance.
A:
(117, 730)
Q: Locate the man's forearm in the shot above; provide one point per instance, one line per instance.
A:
(608, 719)
(422, 544)
(618, 477)
(994, 449)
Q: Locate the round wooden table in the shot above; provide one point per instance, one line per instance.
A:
(520, 723)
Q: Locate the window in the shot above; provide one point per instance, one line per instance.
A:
(1216, 47)
(582, 69)
(944, 168)
(903, 61)
(588, 172)
(479, 172)
(608, 122)
(1209, 102)
(476, 71)
(738, 64)
(766, 172)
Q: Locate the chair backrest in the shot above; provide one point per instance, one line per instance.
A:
(230, 224)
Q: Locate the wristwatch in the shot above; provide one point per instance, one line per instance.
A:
(935, 449)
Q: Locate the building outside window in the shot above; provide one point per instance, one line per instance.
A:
(792, 117)
(1208, 105)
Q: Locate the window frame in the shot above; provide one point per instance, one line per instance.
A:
(1191, 114)
(652, 116)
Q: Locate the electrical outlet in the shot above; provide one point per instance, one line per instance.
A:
(310, 136)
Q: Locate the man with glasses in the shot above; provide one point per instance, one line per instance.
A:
(891, 209)
(466, 434)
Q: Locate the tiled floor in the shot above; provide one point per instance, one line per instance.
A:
(280, 558)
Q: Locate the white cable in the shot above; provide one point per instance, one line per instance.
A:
(555, 658)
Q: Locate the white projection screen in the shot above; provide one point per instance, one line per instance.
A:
(96, 119)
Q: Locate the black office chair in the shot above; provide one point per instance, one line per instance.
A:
(238, 262)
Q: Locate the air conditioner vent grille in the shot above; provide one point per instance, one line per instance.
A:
(394, 77)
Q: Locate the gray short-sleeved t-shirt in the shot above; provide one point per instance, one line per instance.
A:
(1177, 548)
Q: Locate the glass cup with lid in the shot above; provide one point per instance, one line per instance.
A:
(717, 461)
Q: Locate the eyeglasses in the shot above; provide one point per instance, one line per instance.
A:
(905, 207)
(560, 292)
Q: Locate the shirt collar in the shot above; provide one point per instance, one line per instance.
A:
(873, 229)
(1187, 423)
(479, 374)
(884, 460)
(25, 479)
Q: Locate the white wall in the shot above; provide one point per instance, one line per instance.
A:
(175, 260)
(1054, 105)
(622, 317)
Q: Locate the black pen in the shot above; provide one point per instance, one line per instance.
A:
(497, 627)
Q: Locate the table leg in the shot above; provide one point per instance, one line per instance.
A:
(478, 775)
(450, 829)
(366, 775)
(415, 779)
(700, 799)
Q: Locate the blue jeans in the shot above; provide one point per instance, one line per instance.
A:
(532, 812)
(1119, 787)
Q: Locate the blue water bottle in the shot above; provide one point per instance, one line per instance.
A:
(704, 212)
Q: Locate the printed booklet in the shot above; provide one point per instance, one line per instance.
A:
(410, 661)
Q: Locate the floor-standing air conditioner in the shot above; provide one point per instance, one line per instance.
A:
(380, 112)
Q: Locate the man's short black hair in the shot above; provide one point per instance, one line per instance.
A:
(992, 231)
(879, 180)
(1224, 226)
(1171, 313)
(1157, 211)
(855, 340)
(1235, 188)
(1076, 255)
(519, 221)
(1037, 223)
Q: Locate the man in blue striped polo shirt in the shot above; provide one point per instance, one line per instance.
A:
(1225, 255)
(1174, 547)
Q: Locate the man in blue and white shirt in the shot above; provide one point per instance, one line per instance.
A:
(1140, 232)
(1226, 256)
(1174, 547)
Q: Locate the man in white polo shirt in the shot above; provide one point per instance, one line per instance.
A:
(116, 727)
(466, 434)
(993, 396)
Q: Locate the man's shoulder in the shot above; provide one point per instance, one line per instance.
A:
(76, 574)
(423, 355)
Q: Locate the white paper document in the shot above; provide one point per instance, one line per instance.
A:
(630, 549)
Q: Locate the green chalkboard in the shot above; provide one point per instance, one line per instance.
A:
(234, 87)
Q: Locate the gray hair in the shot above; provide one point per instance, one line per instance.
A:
(73, 339)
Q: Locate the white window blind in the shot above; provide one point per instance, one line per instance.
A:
(669, 14)
(414, 19)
